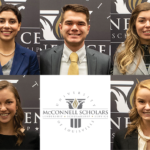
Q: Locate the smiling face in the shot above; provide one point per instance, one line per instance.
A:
(74, 29)
(142, 103)
(9, 26)
(8, 106)
(143, 27)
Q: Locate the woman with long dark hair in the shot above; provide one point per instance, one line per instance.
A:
(12, 134)
(133, 56)
(137, 134)
(14, 59)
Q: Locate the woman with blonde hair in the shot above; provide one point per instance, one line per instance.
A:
(137, 134)
(133, 56)
(12, 134)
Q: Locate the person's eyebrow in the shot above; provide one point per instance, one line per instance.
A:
(68, 21)
(81, 22)
(141, 17)
(140, 99)
(9, 18)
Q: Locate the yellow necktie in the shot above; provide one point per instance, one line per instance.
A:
(73, 68)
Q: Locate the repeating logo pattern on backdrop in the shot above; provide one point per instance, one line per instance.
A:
(18, 3)
(126, 6)
(49, 28)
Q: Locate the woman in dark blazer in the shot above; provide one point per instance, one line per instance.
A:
(14, 59)
(137, 135)
(133, 56)
(12, 134)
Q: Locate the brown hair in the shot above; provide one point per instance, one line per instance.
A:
(19, 117)
(132, 42)
(134, 116)
(75, 8)
(7, 7)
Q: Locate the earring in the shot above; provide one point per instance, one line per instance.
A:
(16, 114)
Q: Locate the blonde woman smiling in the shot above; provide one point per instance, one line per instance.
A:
(133, 56)
(137, 135)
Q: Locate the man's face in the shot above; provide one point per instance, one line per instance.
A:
(74, 28)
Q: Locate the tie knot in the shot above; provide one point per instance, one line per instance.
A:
(74, 57)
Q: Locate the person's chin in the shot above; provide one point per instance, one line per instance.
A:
(7, 39)
(5, 121)
(146, 37)
(146, 117)
(75, 43)
(74, 40)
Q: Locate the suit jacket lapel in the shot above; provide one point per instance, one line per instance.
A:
(141, 65)
(1, 73)
(133, 141)
(56, 60)
(149, 69)
(91, 62)
(17, 61)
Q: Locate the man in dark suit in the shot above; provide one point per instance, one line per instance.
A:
(73, 58)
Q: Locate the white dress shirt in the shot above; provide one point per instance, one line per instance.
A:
(142, 140)
(82, 61)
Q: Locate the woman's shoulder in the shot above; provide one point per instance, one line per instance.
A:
(31, 140)
(24, 50)
(121, 47)
(32, 134)
(120, 134)
(122, 143)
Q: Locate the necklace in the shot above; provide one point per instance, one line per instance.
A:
(145, 47)
(7, 54)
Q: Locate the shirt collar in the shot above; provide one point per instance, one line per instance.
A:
(81, 53)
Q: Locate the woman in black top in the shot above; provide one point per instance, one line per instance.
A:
(137, 135)
(12, 134)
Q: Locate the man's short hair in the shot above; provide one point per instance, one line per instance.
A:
(75, 8)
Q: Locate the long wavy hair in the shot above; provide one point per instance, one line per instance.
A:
(132, 42)
(134, 116)
(19, 117)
